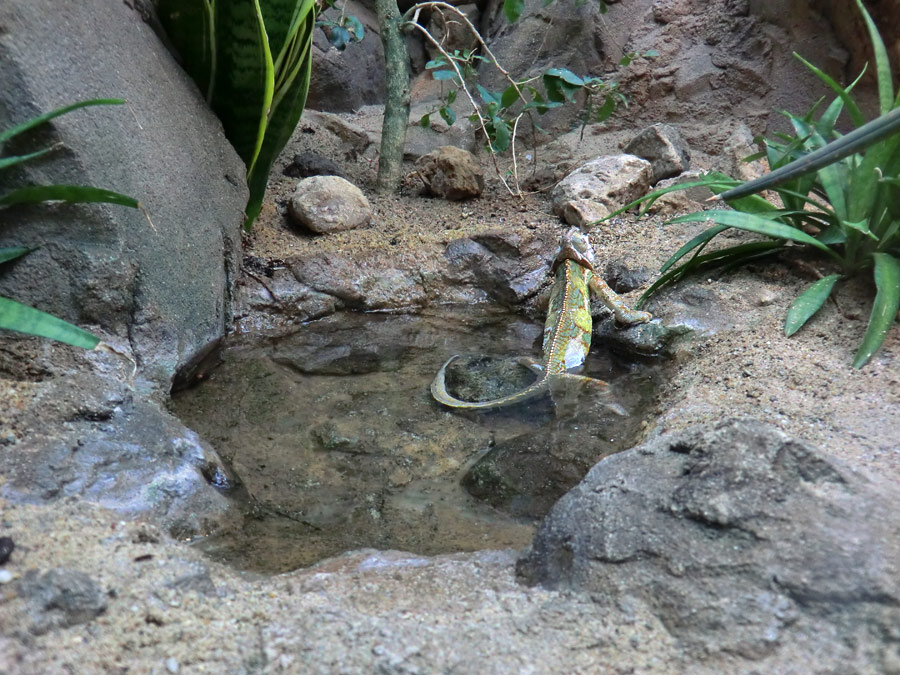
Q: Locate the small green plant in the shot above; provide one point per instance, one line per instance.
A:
(252, 59)
(14, 315)
(840, 196)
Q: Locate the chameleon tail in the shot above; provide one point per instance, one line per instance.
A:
(441, 395)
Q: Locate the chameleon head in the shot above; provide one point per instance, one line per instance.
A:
(575, 245)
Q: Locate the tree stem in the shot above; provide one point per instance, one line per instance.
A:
(396, 104)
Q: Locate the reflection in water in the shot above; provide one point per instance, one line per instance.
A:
(334, 434)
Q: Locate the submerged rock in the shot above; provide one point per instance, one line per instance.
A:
(741, 539)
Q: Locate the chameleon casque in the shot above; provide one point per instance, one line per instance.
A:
(567, 330)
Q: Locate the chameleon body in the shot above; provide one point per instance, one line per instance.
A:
(567, 330)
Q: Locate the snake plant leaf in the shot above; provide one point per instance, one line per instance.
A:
(46, 117)
(245, 77)
(853, 110)
(759, 225)
(189, 25)
(883, 73)
(34, 194)
(13, 252)
(884, 309)
(294, 70)
(24, 319)
(808, 303)
(700, 240)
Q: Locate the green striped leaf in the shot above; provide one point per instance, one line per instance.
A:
(884, 309)
(189, 26)
(18, 159)
(24, 319)
(808, 303)
(34, 194)
(700, 240)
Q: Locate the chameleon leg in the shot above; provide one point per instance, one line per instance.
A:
(623, 313)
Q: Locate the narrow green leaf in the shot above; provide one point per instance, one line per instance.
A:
(882, 62)
(40, 119)
(35, 194)
(700, 240)
(18, 159)
(808, 303)
(853, 110)
(566, 75)
(884, 309)
(855, 141)
(24, 319)
(435, 63)
(758, 224)
(425, 122)
(451, 97)
(605, 110)
(7, 254)
(487, 96)
(512, 9)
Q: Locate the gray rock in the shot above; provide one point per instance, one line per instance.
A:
(451, 173)
(663, 146)
(308, 164)
(60, 598)
(164, 288)
(623, 278)
(740, 145)
(601, 186)
(741, 539)
(327, 204)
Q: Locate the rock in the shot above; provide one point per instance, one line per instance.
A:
(355, 139)
(165, 288)
(60, 598)
(327, 204)
(599, 187)
(450, 31)
(420, 140)
(665, 149)
(308, 164)
(741, 539)
(342, 81)
(623, 278)
(7, 546)
(740, 144)
(451, 173)
(680, 201)
(653, 338)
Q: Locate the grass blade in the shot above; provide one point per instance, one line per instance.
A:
(808, 303)
(853, 110)
(711, 180)
(24, 319)
(882, 63)
(7, 254)
(40, 119)
(18, 159)
(884, 309)
(34, 194)
(698, 263)
(700, 239)
(760, 225)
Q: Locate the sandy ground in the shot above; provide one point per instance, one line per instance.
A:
(167, 609)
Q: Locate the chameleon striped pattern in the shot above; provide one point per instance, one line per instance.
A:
(567, 330)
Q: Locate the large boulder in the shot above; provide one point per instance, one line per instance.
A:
(742, 540)
(85, 424)
(163, 287)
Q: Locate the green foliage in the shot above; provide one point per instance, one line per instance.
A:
(840, 195)
(252, 58)
(343, 30)
(14, 315)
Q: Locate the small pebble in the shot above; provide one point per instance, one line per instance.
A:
(172, 664)
(5, 576)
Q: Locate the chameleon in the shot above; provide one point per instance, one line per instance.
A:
(567, 330)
